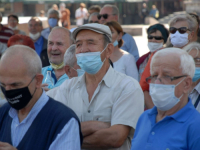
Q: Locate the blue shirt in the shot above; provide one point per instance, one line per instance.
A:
(130, 45)
(179, 131)
(39, 45)
(45, 33)
(59, 81)
(67, 139)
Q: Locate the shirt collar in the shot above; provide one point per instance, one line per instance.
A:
(196, 88)
(39, 104)
(181, 116)
(108, 78)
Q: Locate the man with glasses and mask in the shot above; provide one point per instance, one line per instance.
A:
(31, 120)
(107, 102)
(111, 13)
(40, 43)
(173, 123)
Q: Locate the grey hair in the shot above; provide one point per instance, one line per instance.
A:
(62, 4)
(27, 55)
(52, 11)
(192, 23)
(186, 61)
(70, 57)
(66, 30)
(193, 45)
(115, 10)
(106, 40)
(93, 14)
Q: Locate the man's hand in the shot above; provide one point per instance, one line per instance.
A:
(6, 146)
(44, 86)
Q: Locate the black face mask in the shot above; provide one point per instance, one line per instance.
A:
(18, 98)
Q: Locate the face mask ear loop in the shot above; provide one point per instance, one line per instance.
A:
(180, 81)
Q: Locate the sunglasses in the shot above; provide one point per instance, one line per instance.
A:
(155, 37)
(93, 21)
(105, 16)
(181, 30)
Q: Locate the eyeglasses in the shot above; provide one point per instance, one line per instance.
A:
(155, 37)
(163, 79)
(181, 30)
(105, 16)
(93, 21)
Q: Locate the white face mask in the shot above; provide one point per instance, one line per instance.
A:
(34, 36)
(179, 40)
(154, 46)
(13, 28)
(163, 96)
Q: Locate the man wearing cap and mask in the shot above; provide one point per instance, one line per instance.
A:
(53, 18)
(107, 102)
(59, 41)
(31, 120)
(173, 123)
(40, 43)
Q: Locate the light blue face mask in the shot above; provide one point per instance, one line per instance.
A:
(196, 74)
(90, 62)
(52, 22)
(80, 72)
(115, 43)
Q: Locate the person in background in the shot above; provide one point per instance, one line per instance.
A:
(154, 12)
(193, 49)
(40, 43)
(94, 8)
(182, 30)
(111, 13)
(65, 18)
(93, 18)
(30, 116)
(157, 36)
(144, 12)
(173, 123)
(53, 18)
(107, 102)
(13, 22)
(59, 41)
(70, 61)
(81, 14)
(42, 13)
(123, 61)
(196, 17)
(5, 32)
(54, 7)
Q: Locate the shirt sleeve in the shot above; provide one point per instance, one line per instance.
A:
(129, 106)
(131, 68)
(69, 137)
(144, 85)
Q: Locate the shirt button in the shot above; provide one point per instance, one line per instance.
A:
(153, 133)
(88, 111)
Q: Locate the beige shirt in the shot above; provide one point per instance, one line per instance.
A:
(118, 99)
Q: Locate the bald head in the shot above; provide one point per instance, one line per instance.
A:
(19, 57)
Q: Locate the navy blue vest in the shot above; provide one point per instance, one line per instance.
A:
(47, 125)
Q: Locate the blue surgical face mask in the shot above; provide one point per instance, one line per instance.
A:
(52, 22)
(196, 74)
(115, 43)
(90, 62)
(163, 96)
(80, 72)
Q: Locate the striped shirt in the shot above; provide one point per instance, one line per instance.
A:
(194, 95)
(5, 34)
(66, 139)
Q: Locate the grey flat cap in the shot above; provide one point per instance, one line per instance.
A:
(99, 28)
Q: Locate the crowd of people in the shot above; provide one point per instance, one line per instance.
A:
(87, 87)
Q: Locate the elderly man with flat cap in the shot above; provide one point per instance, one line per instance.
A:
(107, 102)
(31, 120)
(173, 123)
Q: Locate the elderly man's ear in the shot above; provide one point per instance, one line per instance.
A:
(187, 85)
(67, 70)
(39, 78)
(109, 50)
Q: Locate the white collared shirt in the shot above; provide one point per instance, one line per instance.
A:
(118, 99)
(194, 95)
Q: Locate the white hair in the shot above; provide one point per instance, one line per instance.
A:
(70, 56)
(115, 10)
(192, 23)
(193, 45)
(187, 62)
(27, 55)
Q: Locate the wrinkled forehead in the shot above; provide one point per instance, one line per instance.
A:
(88, 34)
